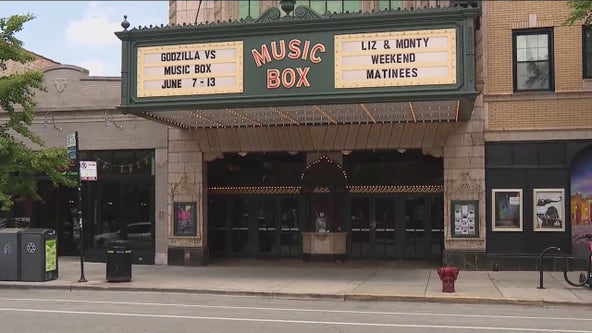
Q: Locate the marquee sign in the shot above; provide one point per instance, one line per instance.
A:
(190, 69)
(398, 58)
(275, 61)
(299, 63)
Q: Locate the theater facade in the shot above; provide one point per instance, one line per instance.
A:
(322, 137)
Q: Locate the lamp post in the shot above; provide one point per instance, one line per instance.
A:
(74, 156)
(79, 210)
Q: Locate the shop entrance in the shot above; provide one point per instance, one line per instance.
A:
(401, 227)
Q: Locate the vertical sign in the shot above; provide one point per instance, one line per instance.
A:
(71, 148)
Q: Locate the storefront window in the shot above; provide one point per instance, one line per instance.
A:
(120, 204)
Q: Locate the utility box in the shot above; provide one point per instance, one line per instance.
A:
(39, 260)
(10, 255)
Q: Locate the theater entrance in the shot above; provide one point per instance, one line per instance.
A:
(389, 205)
(396, 227)
(254, 226)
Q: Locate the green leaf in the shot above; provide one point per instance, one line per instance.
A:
(24, 156)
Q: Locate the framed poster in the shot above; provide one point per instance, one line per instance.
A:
(465, 218)
(506, 210)
(549, 213)
(185, 219)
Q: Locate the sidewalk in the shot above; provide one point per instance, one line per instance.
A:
(347, 281)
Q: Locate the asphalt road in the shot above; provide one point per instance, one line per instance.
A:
(49, 311)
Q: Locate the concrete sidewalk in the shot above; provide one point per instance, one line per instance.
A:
(361, 281)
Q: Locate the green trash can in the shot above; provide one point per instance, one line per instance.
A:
(39, 261)
(10, 255)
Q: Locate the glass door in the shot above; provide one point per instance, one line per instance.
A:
(362, 230)
(373, 228)
(424, 228)
(266, 222)
(239, 227)
(289, 235)
(384, 228)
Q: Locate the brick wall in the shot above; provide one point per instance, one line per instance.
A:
(568, 106)
(39, 63)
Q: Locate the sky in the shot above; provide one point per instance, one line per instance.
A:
(81, 33)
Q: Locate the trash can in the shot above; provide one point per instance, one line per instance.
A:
(10, 255)
(39, 260)
(119, 261)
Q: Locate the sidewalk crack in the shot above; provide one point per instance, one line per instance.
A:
(425, 290)
(494, 285)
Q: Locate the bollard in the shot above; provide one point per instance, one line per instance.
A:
(448, 276)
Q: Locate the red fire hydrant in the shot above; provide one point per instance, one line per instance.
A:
(448, 275)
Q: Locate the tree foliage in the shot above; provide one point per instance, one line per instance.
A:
(23, 154)
(580, 10)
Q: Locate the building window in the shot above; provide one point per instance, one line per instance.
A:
(248, 8)
(332, 6)
(389, 4)
(533, 60)
(587, 52)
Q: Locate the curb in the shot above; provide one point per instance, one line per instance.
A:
(318, 296)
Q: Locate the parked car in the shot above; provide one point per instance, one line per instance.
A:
(14, 222)
(140, 233)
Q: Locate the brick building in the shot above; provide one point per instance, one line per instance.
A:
(537, 99)
(482, 168)
(384, 177)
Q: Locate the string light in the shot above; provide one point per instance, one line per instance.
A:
(129, 167)
(350, 189)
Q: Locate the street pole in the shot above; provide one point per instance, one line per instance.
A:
(79, 209)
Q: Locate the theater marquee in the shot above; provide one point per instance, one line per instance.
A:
(273, 64)
(390, 59)
(191, 69)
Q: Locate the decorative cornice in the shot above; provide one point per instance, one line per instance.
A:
(304, 13)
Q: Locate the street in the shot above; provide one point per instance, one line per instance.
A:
(62, 311)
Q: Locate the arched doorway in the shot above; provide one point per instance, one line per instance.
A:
(323, 184)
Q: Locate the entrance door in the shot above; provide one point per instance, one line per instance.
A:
(266, 220)
(289, 229)
(424, 228)
(278, 230)
(373, 228)
(254, 226)
(396, 227)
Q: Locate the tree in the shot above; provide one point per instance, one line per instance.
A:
(581, 10)
(23, 154)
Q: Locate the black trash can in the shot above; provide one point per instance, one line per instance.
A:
(119, 261)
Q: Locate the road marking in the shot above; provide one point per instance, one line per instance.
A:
(285, 321)
(389, 313)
